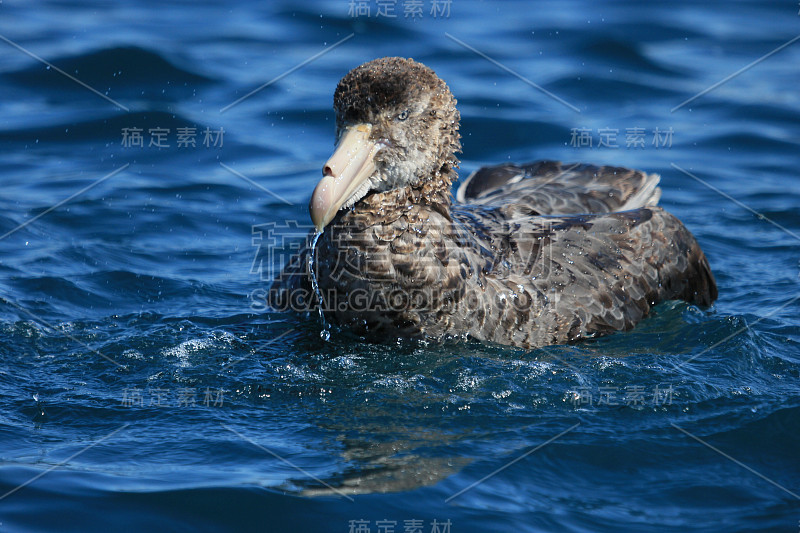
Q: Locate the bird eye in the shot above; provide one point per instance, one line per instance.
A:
(403, 115)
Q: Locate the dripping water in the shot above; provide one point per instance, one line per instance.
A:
(312, 257)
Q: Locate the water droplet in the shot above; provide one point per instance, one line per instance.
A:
(325, 334)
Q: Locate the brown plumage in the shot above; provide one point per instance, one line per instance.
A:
(529, 255)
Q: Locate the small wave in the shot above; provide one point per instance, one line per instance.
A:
(625, 55)
(750, 142)
(186, 349)
(483, 133)
(109, 128)
(614, 87)
(118, 67)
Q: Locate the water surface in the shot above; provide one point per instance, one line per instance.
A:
(144, 385)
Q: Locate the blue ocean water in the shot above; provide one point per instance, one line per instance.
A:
(143, 385)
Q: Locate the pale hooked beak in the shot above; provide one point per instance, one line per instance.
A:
(344, 175)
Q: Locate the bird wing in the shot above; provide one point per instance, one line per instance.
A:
(554, 188)
(589, 274)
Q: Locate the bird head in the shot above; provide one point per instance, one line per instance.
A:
(396, 126)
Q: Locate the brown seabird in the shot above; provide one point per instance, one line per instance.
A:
(527, 255)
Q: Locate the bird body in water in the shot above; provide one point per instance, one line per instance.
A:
(525, 255)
